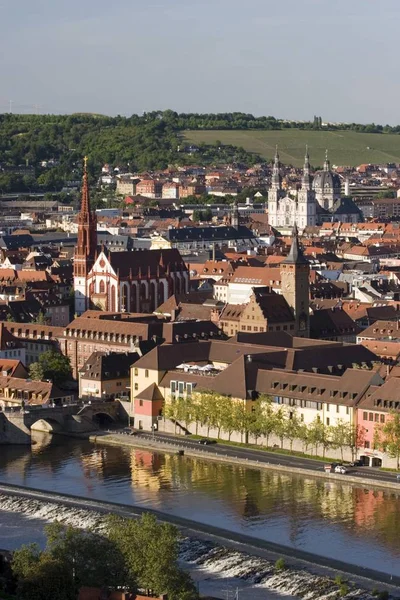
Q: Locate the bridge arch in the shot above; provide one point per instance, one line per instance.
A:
(102, 418)
(47, 424)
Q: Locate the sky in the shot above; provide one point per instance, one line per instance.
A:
(291, 59)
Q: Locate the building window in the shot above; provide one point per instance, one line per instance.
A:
(376, 418)
(366, 444)
(337, 408)
(136, 386)
(188, 390)
(135, 371)
(327, 421)
(365, 416)
(382, 418)
(146, 373)
(140, 402)
(371, 417)
(327, 408)
(173, 387)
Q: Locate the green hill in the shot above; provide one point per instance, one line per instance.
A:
(345, 147)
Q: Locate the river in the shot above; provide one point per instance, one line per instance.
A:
(338, 520)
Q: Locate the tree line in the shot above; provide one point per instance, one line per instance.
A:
(151, 141)
(266, 419)
(137, 143)
(129, 554)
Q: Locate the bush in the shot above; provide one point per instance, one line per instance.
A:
(383, 595)
(339, 580)
(344, 589)
(280, 564)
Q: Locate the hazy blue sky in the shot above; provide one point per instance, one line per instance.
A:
(288, 58)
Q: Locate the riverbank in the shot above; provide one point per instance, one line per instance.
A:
(220, 553)
(260, 462)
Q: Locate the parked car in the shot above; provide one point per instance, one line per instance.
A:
(340, 469)
(356, 463)
(398, 477)
(206, 442)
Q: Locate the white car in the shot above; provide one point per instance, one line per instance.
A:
(340, 469)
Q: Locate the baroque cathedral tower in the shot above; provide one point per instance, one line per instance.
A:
(306, 201)
(285, 211)
(85, 251)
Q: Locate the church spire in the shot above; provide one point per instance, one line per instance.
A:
(295, 255)
(86, 247)
(85, 202)
(276, 179)
(327, 164)
(306, 180)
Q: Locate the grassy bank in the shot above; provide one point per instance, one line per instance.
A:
(345, 147)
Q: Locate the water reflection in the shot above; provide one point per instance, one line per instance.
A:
(317, 515)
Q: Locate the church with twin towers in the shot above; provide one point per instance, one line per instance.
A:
(318, 200)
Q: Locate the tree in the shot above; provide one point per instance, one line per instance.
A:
(292, 428)
(339, 435)
(318, 435)
(387, 436)
(150, 550)
(242, 419)
(36, 371)
(347, 435)
(259, 416)
(46, 578)
(93, 560)
(280, 424)
(51, 365)
(73, 558)
(268, 417)
(40, 319)
(355, 438)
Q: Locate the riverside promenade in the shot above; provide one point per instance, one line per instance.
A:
(249, 457)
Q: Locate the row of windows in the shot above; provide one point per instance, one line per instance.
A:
(306, 404)
(178, 388)
(11, 353)
(373, 417)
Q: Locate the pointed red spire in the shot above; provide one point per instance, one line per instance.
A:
(85, 202)
(86, 247)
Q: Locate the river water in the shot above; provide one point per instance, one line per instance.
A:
(337, 520)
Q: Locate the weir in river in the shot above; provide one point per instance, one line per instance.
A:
(339, 521)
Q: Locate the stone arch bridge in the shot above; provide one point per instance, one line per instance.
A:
(16, 424)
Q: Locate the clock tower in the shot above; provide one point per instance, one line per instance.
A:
(295, 286)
